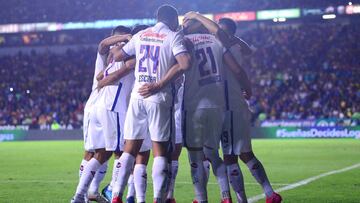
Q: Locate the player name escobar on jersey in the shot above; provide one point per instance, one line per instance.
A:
(155, 49)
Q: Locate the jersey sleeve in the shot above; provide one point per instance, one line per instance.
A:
(100, 61)
(129, 48)
(178, 45)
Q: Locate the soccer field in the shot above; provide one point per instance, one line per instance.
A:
(48, 171)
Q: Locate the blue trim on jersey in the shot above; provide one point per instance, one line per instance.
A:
(118, 133)
(116, 96)
(127, 55)
(226, 88)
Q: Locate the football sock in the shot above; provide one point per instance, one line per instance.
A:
(131, 186)
(115, 172)
(99, 176)
(219, 170)
(125, 165)
(88, 174)
(140, 180)
(198, 175)
(160, 175)
(258, 171)
(174, 171)
(82, 166)
(206, 164)
(237, 182)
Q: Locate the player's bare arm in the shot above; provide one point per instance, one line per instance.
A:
(115, 76)
(211, 26)
(239, 73)
(183, 64)
(105, 44)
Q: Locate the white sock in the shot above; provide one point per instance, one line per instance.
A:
(125, 166)
(237, 182)
(174, 171)
(219, 170)
(99, 176)
(198, 174)
(206, 164)
(82, 166)
(115, 172)
(258, 171)
(140, 180)
(160, 176)
(131, 187)
(88, 174)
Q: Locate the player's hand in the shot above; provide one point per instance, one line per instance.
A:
(149, 89)
(247, 93)
(101, 84)
(190, 15)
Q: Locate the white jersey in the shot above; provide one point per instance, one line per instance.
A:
(155, 49)
(116, 97)
(99, 66)
(204, 87)
(235, 100)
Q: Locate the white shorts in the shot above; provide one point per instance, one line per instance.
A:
(148, 119)
(236, 133)
(203, 127)
(87, 141)
(104, 129)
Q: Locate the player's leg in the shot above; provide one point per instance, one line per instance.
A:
(98, 142)
(140, 176)
(231, 144)
(214, 126)
(135, 130)
(193, 140)
(247, 156)
(258, 171)
(107, 190)
(87, 156)
(235, 176)
(174, 170)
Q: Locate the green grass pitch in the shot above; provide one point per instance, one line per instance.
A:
(48, 171)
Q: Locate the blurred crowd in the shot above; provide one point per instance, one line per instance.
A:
(308, 71)
(45, 90)
(22, 11)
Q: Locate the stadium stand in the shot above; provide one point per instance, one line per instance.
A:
(89, 10)
(303, 71)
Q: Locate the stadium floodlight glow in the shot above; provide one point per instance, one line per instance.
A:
(329, 16)
(282, 13)
(350, 3)
(282, 19)
(28, 91)
(11, 89)
(237, 16)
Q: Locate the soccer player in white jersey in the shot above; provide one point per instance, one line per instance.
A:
(236, 140)
(204, 105)
(156, 49)
(103, 129)
(174, 165)
(139, 181)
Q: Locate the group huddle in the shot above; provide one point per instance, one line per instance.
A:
(161, 88)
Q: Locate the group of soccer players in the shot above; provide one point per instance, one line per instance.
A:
(161, 88)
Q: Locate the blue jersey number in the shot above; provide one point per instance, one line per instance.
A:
(149, 52)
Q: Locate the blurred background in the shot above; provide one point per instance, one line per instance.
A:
(305, 68)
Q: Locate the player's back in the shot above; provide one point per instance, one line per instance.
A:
(155, 49)
(204, 81)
